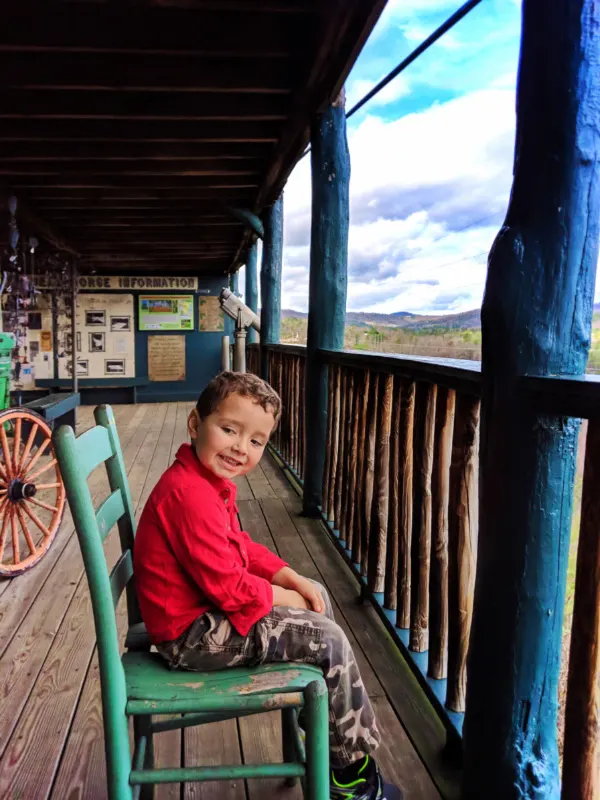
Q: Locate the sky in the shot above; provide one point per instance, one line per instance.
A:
(431, 162)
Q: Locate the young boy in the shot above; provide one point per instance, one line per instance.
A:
(212, 598)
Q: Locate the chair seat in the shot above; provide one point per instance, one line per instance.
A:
(137, 637)
(152, 685)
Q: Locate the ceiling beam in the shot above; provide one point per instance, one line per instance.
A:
(65, 170)
(142, 73)
(159, 182)
(35, 25)
(41, 151)
(122, 130)
(142, 106)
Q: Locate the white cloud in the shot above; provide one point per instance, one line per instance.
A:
(397, 88)
(423, 189)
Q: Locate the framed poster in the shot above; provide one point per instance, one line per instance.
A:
(120, 324)
(114, 366)
(95, 318)
(97, 342)
(210, 314)
(166, 312)
(166, 358)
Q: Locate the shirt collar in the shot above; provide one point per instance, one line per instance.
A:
(186, 455)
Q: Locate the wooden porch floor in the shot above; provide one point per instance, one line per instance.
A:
(51, 741)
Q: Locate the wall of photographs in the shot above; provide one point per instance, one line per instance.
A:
(32, 327)
(105, 337)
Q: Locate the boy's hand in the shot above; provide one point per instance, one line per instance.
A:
(288, 597)
(289, 579)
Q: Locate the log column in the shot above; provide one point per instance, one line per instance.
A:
(270, 282)
(536, 320)
(252, 287)
(330, 171)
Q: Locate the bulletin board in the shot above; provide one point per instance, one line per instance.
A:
(166, 358)
(210, 314)
(105, 337)
(166, 312)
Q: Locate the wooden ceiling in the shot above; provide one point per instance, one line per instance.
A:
(129, 127)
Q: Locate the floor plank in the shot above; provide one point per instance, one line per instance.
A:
(207, 745)
(260, 736)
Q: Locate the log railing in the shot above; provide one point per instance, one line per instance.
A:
(400, 495)
(580, 398)
(286, 376)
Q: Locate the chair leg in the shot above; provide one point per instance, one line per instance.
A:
(317, 741)
(289, 724)
(142, 726)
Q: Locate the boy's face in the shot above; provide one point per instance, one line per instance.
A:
(231, 440)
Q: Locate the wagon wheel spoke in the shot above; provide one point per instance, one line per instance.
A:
(23, 521)
(6, 453)
(31, 478)
(4, 508)
(40, 452)
(36, 520)
(40, 504)
(41, 486)
(28, 446)
(17, 446)
(15, 536)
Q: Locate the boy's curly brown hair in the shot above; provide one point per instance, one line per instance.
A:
(243, 383)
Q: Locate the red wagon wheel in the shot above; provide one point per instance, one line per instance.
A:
(32, 494)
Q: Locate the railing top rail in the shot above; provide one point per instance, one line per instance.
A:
(564, 395)
(454, 373)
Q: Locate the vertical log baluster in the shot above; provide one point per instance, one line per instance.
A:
(346, 498)
(581, 765)
(463, 519)
(339, 483)
(440, 493)
(293, 410)
(361, 468)
(335, 438)
(369, 470)
(302, 415)
(391, 568)
(407, 423)
(353, 459)
(380, 510)
(297, 407)
(425, 402)
(328, 440)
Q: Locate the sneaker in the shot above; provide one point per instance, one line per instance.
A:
(367, 785)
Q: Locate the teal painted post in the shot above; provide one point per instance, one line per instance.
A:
(252, 287)
(536, 320)
(229, 324)
(270, 281)
(234, 282)
(330, 171)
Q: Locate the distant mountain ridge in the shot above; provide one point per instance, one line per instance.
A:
(404, 319)
(470, 320)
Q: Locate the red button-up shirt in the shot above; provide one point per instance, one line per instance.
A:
(190, 554)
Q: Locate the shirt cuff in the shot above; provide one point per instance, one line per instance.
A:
(251, 613)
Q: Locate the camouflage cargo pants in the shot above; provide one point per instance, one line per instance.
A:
(289, 634)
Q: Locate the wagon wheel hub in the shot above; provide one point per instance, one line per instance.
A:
(19, 490)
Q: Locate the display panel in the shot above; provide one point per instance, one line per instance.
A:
(166, 312)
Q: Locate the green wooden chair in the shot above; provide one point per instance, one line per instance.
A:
(140, 685)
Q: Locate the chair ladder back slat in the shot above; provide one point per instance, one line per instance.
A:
(117, 474)
(92, 448)
(109, 513)
(121, 574)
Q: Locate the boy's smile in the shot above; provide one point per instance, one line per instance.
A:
(231, 440)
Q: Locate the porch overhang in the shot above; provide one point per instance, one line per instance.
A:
(132, 129)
